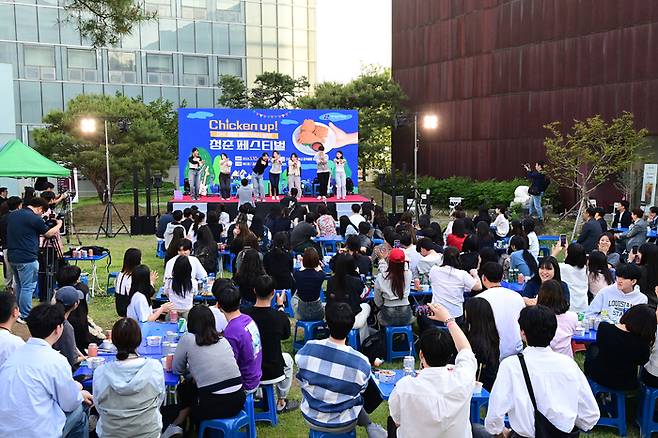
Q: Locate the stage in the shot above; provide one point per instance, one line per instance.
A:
(205, 203)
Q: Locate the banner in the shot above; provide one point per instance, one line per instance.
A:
(649, 184)
(245, 134)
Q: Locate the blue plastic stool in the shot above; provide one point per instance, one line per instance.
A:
(353, 339)
(618, 422)
(310, 331)
(390, 332)
(160, 250)
(111, 276)
(317, 434)
(230, 427)
(544, 251)
(646, 409)
(287, 306)
(268, 404)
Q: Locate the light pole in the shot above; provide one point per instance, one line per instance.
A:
(430, 122)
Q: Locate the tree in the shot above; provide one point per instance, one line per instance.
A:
(378, 98)
(164, 112)
(143, 142)
(271, 90)
(105, 22)
(234, 92)
(591, 154)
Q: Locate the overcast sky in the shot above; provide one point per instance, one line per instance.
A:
(350, 34)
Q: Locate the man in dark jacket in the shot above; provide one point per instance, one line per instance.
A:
(164, 220)
(599, 215)
(622, 217)
(538, 185)
(591, 231)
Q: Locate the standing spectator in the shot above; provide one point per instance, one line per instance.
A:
(38, 396)
(608, 247)
(598, 272)
(617, 298)
(24, 227)
(9, 342)
(636, 234)
(326, 222)
(164, 220)
(257, 177)
(274, 327)
(322, 160)
(356, 217)
(520, 257)
(245, 193)
(131, 259)
(622, 217)
(591, 231)
(13, 203)
(345, 286)
(574, 274)
(500, 225)
(437, 401)
(392, 288)
(3, 196)
(278, 262)
(458, 235)
(538, 184)
(648, 263)
(555, 379)
(128, 392)
(308, 281)
(550, 295)
(481, 331)
(303, 233)
(599, 215)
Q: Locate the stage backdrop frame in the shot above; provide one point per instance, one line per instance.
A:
(244, 134)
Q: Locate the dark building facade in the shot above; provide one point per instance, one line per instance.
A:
(496, 71)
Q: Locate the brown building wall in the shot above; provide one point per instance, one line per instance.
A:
(495, 71)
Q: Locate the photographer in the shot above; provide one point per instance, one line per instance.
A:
(53, 252)
(24, 226)
(538, 184)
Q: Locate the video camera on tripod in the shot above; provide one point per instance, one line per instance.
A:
(51, 219)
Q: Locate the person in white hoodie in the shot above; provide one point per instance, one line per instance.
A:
(129, 391)
(619, 297)
(169, 231)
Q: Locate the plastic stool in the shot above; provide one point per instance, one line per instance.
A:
(160, 250)
(268, 404)
(287, 306)
(310, 330)
(230, 427)
(544, 251)
(390, 332)
(618, 422)
(111, 276)
(645, 412)
(317, 434)
(353, 339)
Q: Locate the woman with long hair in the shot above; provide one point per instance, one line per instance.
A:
(548, 269)
(520, 258)
(480, 329)
(308, 284)
(482, 216)
(172, 251)
(551, 296)
(295, 174)
(380, 220)
(458, 235)
(275, 174)
(392, 288)
(216, 229)
(205, 249)
(326, 222)
(516, 229)
(131, 259)
(648, 253)
(607, 245)
(484, 236)
(199, 220)
(141, 293)
(261, 232)
(341, 177)
(195, 163)
(346, 227)
(487, 254)
(225, 176)
(245, 278)
(345, 286)
(469, 257)
(574, 273)
(533, 240)
(243, 238)
(278, 262)
(181, 288)
(598, 272)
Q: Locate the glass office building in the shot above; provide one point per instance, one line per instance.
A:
(179, 56)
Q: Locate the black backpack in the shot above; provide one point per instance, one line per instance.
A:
(374, 346)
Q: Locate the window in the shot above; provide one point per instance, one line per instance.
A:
(48, 25)
(220, 38)
(159, 69)
(269, 43)
(196, 9)
(167, 34)
(269, 15)
(195, 71)
(162, 7)
(26, 16)
(285, 43)
(284, 15)
(237, 40)
(82, 65)
(230, 67)
(122, 67)
(252, 11)
(39, 62)
(202, 37)
(229, 10)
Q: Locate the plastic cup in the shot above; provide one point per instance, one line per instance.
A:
(92, 350)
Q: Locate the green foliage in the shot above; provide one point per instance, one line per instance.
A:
(105, 22)
(378, 98)
(270, 90)
(166, 115)
(144, 142)
(234, 92)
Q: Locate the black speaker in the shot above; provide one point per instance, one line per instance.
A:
(157, 181)
(135, 192)
(147, 225)
(135, 225)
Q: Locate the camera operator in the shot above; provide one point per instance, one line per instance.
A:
(54, 255)
(24, 226)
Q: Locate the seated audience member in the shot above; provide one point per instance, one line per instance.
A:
(364, 237)
(608, 247)
(274, 327)
(469, 257)
(598, 272)
(171, 226)
(550, 295)
(262, 233)
(353, 247)
(481, 331)
(652, 220)
(326, 222)
(356, 218)
(458, 213)
(278, 220)
(556, 380)
(648, 263)
(188, 219)
(141, 292)
(392, 287)
(516, 229)
(506, 306)
(599, 215)
(636, 234)
(500, 225)
(278, 262)
(164, 220)
(216, 229)
(245, 193)
(9, 314)
(483, 235)
(38, 396)
(482, 216)
(436, 402)
(290, 201)
(548, 269)
(380, 252)
(458, 234)
(450, 283)
(621, 348)
(345, 286)
(308, 282)
(215, 389)
(333, 378)
(622, 217)
(185, 275)
(591, 231)
(574, 273)
(68, 298)
(429, 257)
(347, 228)
(533, 242)
(131, 259)
(245, 277)
(302, 235)
(617, 298)
(410, 251)
(128, 392)
(649, 372)
(520, 257)
(243, 239)
(217, 288)
(205, 249)
(172, 249)
(487, 254)
(244, 337)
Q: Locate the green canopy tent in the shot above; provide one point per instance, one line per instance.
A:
(20, 161)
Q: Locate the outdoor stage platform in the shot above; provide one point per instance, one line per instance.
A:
(206, 203)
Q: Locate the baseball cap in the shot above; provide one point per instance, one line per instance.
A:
(68, 295)
(396, 256)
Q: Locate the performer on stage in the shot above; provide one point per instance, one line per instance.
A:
(294, 174)
(275, 174)
(257, 177)
(323, 169)
(195, 173)
(225, 177)
(341, 178)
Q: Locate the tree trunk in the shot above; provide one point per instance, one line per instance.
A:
(581, 208)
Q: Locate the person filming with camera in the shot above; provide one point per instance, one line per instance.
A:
(24, 226)
(538, 184)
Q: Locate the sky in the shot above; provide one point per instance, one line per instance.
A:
(351, 34)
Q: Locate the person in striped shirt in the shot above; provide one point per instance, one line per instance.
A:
(333, 377)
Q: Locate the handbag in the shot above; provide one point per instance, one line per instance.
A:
(543, 427)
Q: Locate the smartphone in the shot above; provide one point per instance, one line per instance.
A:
(635, 248)
(424, 309)
(396, 244)
(563, 240)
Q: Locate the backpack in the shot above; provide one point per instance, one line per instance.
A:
(374, 346)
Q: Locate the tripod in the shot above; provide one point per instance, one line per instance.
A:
(417, 204)
(68, 222)
(106, 221)
(51, 252)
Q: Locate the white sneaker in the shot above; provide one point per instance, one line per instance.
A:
(172, 431)
(21, 321)
(374, 430)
